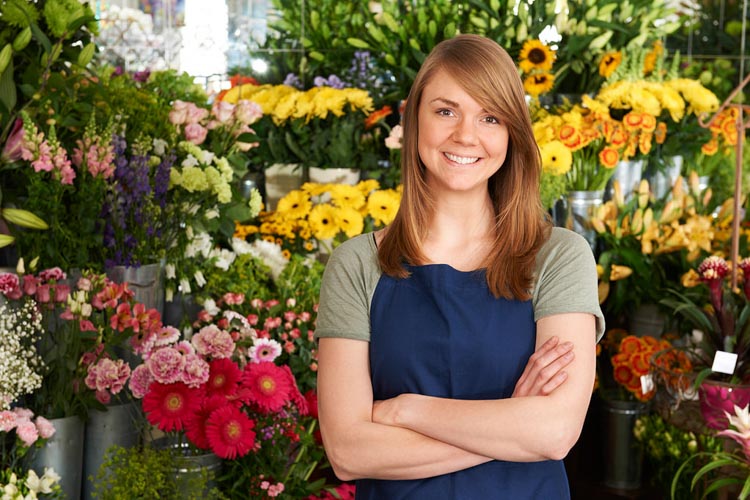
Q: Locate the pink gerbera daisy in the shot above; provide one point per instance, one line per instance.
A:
(168, 406)
(230, 432)
(268, 386)
(264, 350)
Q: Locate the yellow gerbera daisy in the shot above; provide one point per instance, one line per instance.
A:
(368, 185)
(295, 204)
(538, 83)
(344, 195)
(535, 55)
(382, 206)
(609, 157)
(323, 222)
(609, 63)
(556, 158)
(350, 221)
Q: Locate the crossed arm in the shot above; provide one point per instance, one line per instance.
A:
(414, 436)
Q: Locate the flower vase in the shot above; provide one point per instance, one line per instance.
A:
(629, 175)
(280, 178)
(117, 425)
(580, 208)
(181, 309)
(623, 455)
(189, 470)
(146, 281)
(63, 452)
(647, 319)
(716, 398)
(334, 175)
(663, 178)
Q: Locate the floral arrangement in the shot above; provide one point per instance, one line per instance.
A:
(20, 433)
(88, 328)
(228, 390)
(20, 329)
(629, 356)
(321, 127)
(721, 316)
(724, 468)
(666, 446)
(535, 60)
(323, 215)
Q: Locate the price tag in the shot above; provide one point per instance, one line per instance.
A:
(724, 362)
(647, 383)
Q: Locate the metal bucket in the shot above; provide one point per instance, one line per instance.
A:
(63, 452)
(623, 455)
(580, 208)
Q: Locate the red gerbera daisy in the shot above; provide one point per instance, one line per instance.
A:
(230, 432)
(268, 386)
(168, 406)
(224, 375)
(195, 426)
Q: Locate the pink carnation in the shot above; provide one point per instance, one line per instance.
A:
(140, 379)
(27, 431)
(196, 372)
(45, 427)
(185, 347)
(9, 282)
(166, 335)
(214, 342)
(7, 421)
(167, 365)
(23, 413)
(53, 273)
(108, 375)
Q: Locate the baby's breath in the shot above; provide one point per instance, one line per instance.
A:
(20, 364)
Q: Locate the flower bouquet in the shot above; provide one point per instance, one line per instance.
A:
(226, 391)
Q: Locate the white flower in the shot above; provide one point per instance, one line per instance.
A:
(208, 156)
(184, 286)
(168, 294)
(741, 420)
(49, 479)
(211, 308)
(211, 214)
(169, 271)
(160, 146)
(190, 161)
(199, 278)
(224, 258)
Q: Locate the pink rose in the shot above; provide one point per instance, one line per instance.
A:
(222, 111)
(29, 284)
(247, 112)
(61, 293)
(195, 133)
(178, 114)
(103, 397)
(43, 293)
(195, 114)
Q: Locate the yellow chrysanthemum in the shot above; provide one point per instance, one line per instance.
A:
(323, 221)
(329, 100)
(344, 195)
(245, 91)
(350, 221)
(535, 55)
(538, 83)
(556, 158)
(359, 99)
(383, 206)
(295, 204)
(609, 63)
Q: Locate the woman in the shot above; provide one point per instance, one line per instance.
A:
(457, 346)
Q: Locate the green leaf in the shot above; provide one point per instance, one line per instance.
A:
(358, 43)
(41, 37)
(8, 96)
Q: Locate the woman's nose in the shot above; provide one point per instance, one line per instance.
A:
(465, 131)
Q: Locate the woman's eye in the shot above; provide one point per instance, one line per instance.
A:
(444, 112)
(492, 119)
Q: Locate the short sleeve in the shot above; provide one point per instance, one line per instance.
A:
(346, 290)
(566, 279)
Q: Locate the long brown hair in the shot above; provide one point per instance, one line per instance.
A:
(488, 74)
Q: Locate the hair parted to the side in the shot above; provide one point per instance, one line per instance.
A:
(489, 75)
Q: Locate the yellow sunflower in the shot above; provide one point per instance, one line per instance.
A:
(323, 221)
(295, 204)
(538, 83)
(649, 62)
(556, 158)
(535, 55)
(383, 205)
(609, 63)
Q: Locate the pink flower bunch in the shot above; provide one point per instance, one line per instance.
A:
(47, 287)
(230, 120)
(28, 429)
(95, 152)
(46, 154)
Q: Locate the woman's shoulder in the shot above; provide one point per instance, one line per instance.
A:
(563, 241)
(360, 245)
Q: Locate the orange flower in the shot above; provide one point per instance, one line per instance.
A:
(618, 138)
(632, 120)
(660, 133)
(609, 63)
(729, 131)
(639, 362)
(649, 62)
(623, 375)
(644, 143)
(570, 136)
(377, 115)
(649, 122)
(711, 147)
(609, 157)
(630, 344)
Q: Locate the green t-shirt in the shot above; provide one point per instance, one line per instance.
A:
(565, 282)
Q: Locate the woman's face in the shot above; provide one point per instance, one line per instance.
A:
(460, 143)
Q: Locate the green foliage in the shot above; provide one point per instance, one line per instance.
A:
(666, 447)
(300, 280)
(144, 473)
(247, 275)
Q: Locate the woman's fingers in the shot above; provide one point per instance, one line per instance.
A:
(544, 371)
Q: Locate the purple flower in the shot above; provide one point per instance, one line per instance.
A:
(293, 80)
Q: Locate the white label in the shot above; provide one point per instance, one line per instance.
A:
(647, 383)
(724, 362)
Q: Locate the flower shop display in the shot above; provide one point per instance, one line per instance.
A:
(725, 468)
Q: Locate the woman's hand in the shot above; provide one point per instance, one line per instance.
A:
(544, 371)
